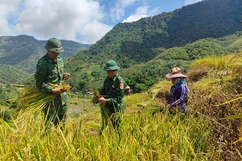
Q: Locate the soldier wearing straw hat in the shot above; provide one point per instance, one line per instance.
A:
(50, 70)
(178, 91)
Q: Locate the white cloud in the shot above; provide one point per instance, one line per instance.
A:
(119, 10)
(5, 28)
(139, 13)
(187, 2)
(126, 3)
(91, 31)
(7, 14)
(60, 18)
(78, 20)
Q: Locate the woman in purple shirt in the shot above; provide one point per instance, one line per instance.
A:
(178, 92)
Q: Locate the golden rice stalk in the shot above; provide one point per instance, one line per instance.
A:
(32, 98)
(65, 87)
(103, 110)
(96, 95)
(229, 101)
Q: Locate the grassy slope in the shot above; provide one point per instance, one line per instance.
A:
(215, 83)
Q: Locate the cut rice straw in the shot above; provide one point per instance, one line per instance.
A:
(32, 98)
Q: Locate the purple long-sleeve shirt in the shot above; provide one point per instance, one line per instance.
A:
(178, 96)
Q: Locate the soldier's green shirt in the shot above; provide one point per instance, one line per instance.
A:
(113, 91)
(48, 71)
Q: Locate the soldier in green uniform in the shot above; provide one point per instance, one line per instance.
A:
(50, 69)
(112, 93)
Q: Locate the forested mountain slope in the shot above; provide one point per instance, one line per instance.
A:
(170, 36)
(137, 40)
(10, 74)
(143, 75)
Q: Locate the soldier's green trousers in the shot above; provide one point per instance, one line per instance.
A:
(113, 114)
(55, 112)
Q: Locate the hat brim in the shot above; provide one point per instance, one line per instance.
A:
(57, 50)
(110, 68)
(175, 75)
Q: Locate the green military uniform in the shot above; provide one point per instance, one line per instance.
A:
(48, 71)
(113, 91)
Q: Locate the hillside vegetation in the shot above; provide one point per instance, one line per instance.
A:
(142, 76)
(210, 130)
(23, 52)
(176, 39)
(137, 40)
(10, 75)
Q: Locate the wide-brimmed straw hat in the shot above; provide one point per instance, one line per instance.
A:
(175, 73)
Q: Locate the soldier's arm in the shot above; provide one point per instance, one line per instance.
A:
(40, 77)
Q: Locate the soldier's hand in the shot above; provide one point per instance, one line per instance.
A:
(102, 101)
(127, 90)
(57, 90)
(67, 76)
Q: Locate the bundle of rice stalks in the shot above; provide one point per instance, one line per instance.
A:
(104, 111)
(35, 100)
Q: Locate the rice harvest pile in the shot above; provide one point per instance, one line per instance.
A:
(32, 98)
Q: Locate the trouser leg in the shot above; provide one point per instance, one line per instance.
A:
(55, 112)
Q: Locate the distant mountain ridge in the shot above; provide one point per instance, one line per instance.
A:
(207, 18)
(23, 52)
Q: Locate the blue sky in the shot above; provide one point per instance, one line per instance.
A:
(84, 21)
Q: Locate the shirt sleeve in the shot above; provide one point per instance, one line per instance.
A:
(40, 77)
(182, 95)
(171, 95)
(102, 90)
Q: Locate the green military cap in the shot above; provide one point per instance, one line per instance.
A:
(111, 65)
(53, 44)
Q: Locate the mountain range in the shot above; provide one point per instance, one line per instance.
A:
(20, 51)
(145, 50)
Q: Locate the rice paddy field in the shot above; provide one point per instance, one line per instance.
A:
(142, 136)
(211, 130)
